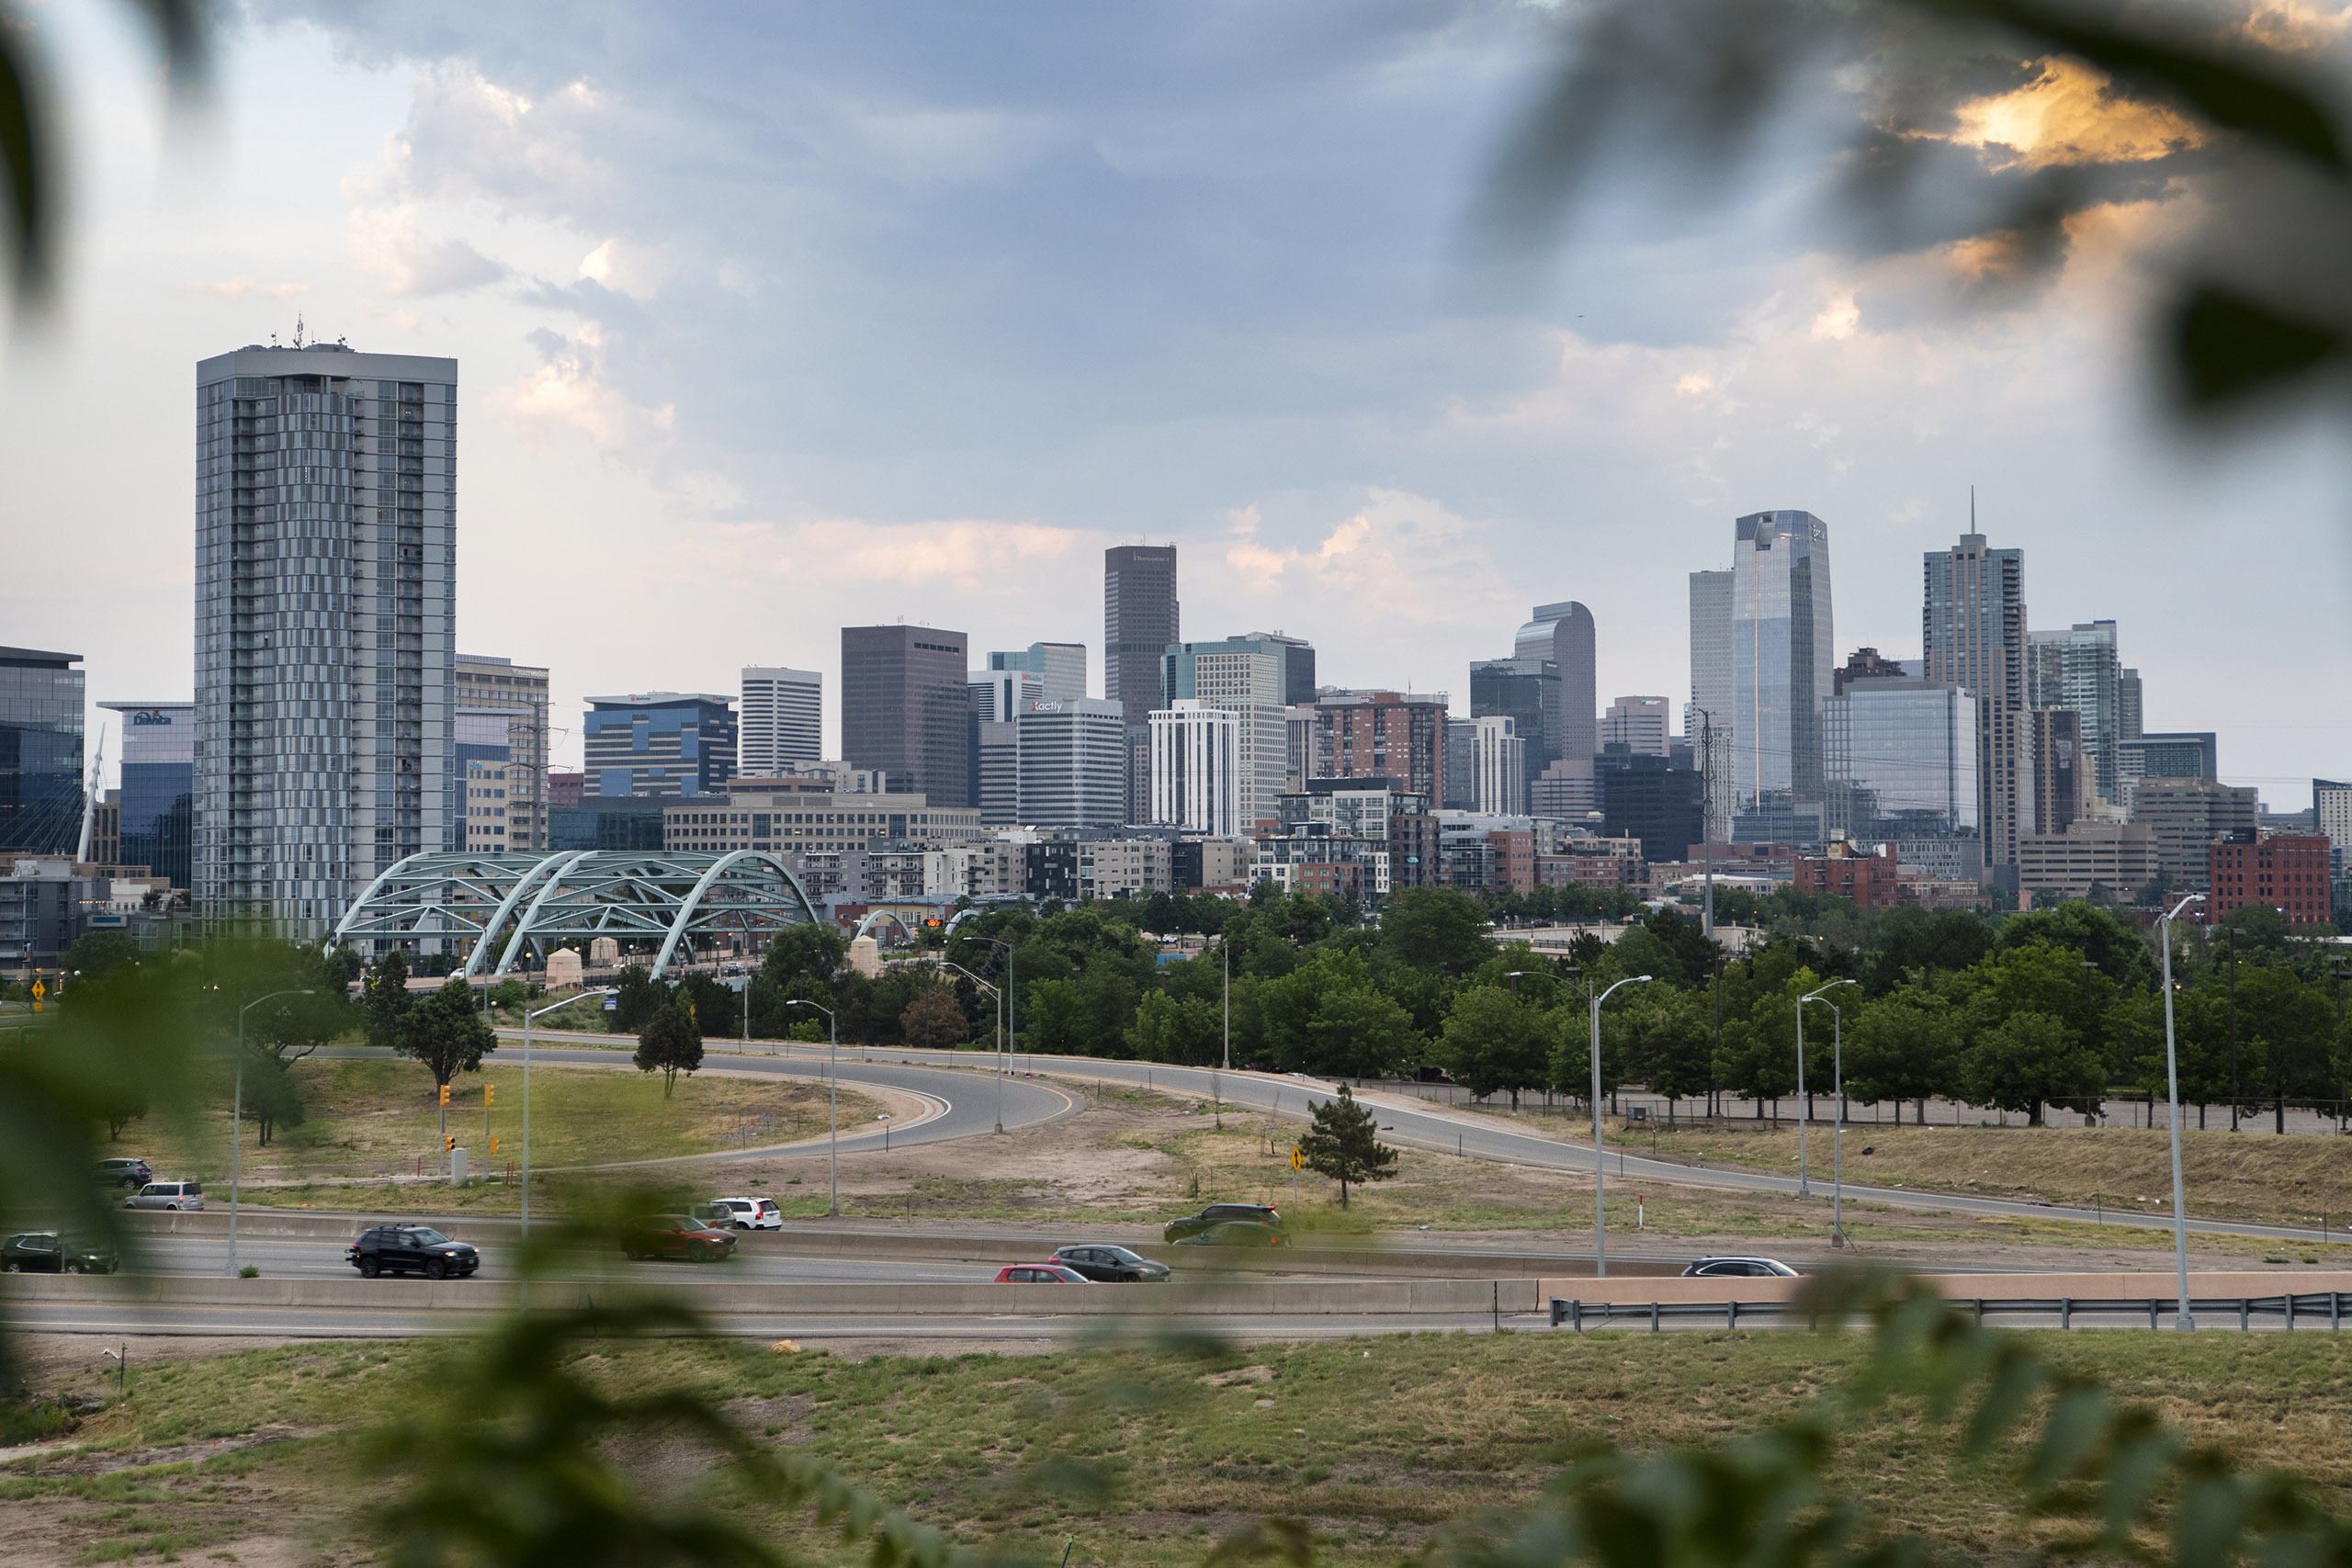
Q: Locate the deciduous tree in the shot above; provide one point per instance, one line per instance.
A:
(669, 1044)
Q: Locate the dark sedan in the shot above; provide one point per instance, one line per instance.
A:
(1235, 1233)
(1217, 1213)
(1115, 1264)
(46, 1252)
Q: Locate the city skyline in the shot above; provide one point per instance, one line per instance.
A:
(614, 327)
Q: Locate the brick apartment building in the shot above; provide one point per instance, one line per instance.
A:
(2287, 873)
(1868, 879)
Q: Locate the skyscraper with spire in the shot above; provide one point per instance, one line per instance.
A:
(1972, 630)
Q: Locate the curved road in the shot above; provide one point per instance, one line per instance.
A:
(1474, 1137)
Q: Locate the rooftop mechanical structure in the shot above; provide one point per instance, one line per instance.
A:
(494, 907)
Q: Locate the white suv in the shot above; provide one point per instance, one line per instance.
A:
(167, 1195)
(745, 1214)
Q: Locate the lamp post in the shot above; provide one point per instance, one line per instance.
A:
(1601, 1230)
(1216, 1083)
(1837, 1111)
(237, 1116)
(1803, 1190)
(528, 1014)
(999, 1029)
(2183, 1320)
(1011, 1025)
(832, 1078)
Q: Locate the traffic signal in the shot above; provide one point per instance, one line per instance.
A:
(450, 1144)
(489, 1095)
(444, 1094)
(494, 1145)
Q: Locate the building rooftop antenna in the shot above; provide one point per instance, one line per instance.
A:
(297, 329)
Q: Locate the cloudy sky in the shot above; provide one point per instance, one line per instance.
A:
(771, 319)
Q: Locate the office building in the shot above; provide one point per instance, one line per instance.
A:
(1563, 632)
(2185, 815)
(2115, 859)
(156, 820)
(1298, 664)
(2077, 670)
(1526, 692)
(565, 789)
(1461, 763)
(835, 774)
(660, 743)
(1071, 766)
(488, 781)
(996, 771)
(2059, 772)
(1246, 677)
(1974, 633)
(1059, 667)
(1709, 714)
(41, 699)
(1391, 735)
(1499, 765)
(2127, 706)
(791, 823)
(521, 692)
(1196, 769)
(2287, 873)
(1909, 745)
(1140, 620)
(1654, 798)
(1301, 759)
(1641, 725)
(904, 708)
(781, 721)
(1868, 664)
(2332, 814)
(2171, 754)
(1782, 662)
(325, 614)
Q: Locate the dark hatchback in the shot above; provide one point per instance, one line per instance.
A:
(677, 1235)
(47, 1252)
(131, 1175)
(1235, 1233)
(412, 1249)
(1221, 1213)
(1115, 1264)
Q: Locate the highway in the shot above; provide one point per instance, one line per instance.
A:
(1442, 1130)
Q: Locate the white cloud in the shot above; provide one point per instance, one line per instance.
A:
(241, 287)
(385, 240)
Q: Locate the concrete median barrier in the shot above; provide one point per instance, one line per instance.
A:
(721, 1297)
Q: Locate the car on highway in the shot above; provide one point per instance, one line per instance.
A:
(129, 1174)
(47, 1252)
(1218, 1213)
(1739, 1267)
(1235, 1233)
(677, 1235)
(410, 1250)
(1039, 1274)
(167, 1195)
(1110, 1264)
(744, 1213)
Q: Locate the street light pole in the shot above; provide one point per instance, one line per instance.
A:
(832, 1075)
(992, 990)
(1837, 1111)
(2183, 1320)
(1600, 1229)
(527, 1016)
(1011, 1025)
(1216, 1084)
(237, 1117)
(1804, 1188)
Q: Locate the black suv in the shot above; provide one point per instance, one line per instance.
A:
(128, 1174)
(1217, 1214)
(410, 1250)
(45, 1252)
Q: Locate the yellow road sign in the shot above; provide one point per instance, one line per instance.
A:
(40, 989)
(1295, 1162)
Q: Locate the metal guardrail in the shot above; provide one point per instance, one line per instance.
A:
(2330, 1305)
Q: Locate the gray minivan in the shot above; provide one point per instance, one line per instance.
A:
(167, 1195)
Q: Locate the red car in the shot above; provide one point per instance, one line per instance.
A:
(677, 1235)
(1039, 1274)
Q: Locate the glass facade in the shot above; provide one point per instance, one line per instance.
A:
(158, 823)
(1912, 745)
(1782, 654)
(41, 750)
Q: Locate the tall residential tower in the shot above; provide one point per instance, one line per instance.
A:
(1974, 633)
(325, 615)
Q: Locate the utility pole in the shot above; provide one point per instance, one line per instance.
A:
(2233, 937)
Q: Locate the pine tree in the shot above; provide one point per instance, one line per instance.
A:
(1341, 1145)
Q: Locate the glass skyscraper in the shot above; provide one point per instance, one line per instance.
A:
(1974, 633)
(1782, 655)
(325, 613)
(41, 751)
(158, 787)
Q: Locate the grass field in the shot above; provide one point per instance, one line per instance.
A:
(2299, 1181)
(1374, 1442)
(369, 1123)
